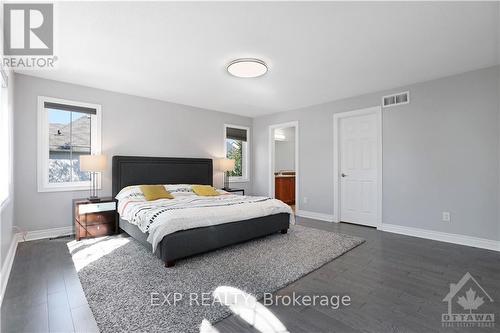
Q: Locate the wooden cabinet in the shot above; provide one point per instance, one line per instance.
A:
(94, 219)
(284, 189)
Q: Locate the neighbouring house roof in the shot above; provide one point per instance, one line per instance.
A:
(75, 134)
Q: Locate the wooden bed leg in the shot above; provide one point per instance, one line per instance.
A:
(284, 231)
(170, 263)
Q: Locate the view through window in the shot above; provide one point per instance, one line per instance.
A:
(69, 138)
(237, 149)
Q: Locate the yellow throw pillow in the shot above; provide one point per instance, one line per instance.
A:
(155, 192)
(205, 190)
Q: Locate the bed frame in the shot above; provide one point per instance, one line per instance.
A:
(138, 170)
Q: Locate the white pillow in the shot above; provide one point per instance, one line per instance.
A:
(172, 188)
(130, 192)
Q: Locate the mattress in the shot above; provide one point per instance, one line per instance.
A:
(187, 210)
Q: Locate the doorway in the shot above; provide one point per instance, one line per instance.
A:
(284, 163)
(358, 166)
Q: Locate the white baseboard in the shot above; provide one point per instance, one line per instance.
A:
(314, 215)
(7, 265)
(45, 233)
(482, 243)
(23, 237)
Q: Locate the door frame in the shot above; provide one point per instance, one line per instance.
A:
(271, 140)
(377, 110)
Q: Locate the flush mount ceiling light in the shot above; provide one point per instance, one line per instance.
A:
(247, 67)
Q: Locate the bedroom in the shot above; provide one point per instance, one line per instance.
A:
(396, 111)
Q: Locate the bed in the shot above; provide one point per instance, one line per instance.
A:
(139, 170)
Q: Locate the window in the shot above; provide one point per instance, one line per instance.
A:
(66, 130)
(236, 146)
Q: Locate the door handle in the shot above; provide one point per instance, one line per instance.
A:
(343, 175)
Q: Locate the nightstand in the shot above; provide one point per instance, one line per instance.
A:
(94, 219)
(232, 190)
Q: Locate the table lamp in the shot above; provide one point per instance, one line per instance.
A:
(226, 165)
(93, 164)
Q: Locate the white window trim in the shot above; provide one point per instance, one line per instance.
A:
(43, 146)
(246, 153)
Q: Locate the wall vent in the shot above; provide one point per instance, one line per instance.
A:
(396, 99)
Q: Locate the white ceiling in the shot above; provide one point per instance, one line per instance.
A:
(316, 52)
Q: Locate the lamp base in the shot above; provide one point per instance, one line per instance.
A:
(94, 199)
(226, 181)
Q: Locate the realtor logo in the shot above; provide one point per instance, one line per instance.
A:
(467, 295)
(28, 29)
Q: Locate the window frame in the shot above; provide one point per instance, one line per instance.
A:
(43, 146)
(246, 153)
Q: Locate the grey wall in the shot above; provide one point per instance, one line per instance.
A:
(440, 153)
(284, 151)
(7, 208)
(284, 155)
(130, 126)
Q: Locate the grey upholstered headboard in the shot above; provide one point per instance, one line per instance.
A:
(138, 170)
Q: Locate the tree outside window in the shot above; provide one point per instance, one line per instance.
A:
(234, 150)
(236, 146)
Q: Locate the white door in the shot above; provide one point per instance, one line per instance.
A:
(359, 169)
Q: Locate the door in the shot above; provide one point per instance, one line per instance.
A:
(358, 169)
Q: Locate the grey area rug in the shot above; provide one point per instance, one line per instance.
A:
(125, 283)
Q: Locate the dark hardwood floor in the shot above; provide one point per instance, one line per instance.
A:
(396, 284)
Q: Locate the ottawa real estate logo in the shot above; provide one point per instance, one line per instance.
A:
(467, 305)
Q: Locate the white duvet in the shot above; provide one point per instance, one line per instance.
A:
(188, 210)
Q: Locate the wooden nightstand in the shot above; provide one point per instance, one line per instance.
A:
(94, 219)
(232, 190)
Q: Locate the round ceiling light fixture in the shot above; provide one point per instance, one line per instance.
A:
(247, 67)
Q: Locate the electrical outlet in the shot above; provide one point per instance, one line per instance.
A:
(446, 217)
(305, 200)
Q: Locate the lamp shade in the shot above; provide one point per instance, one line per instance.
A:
(226, 164)
(93, 163)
